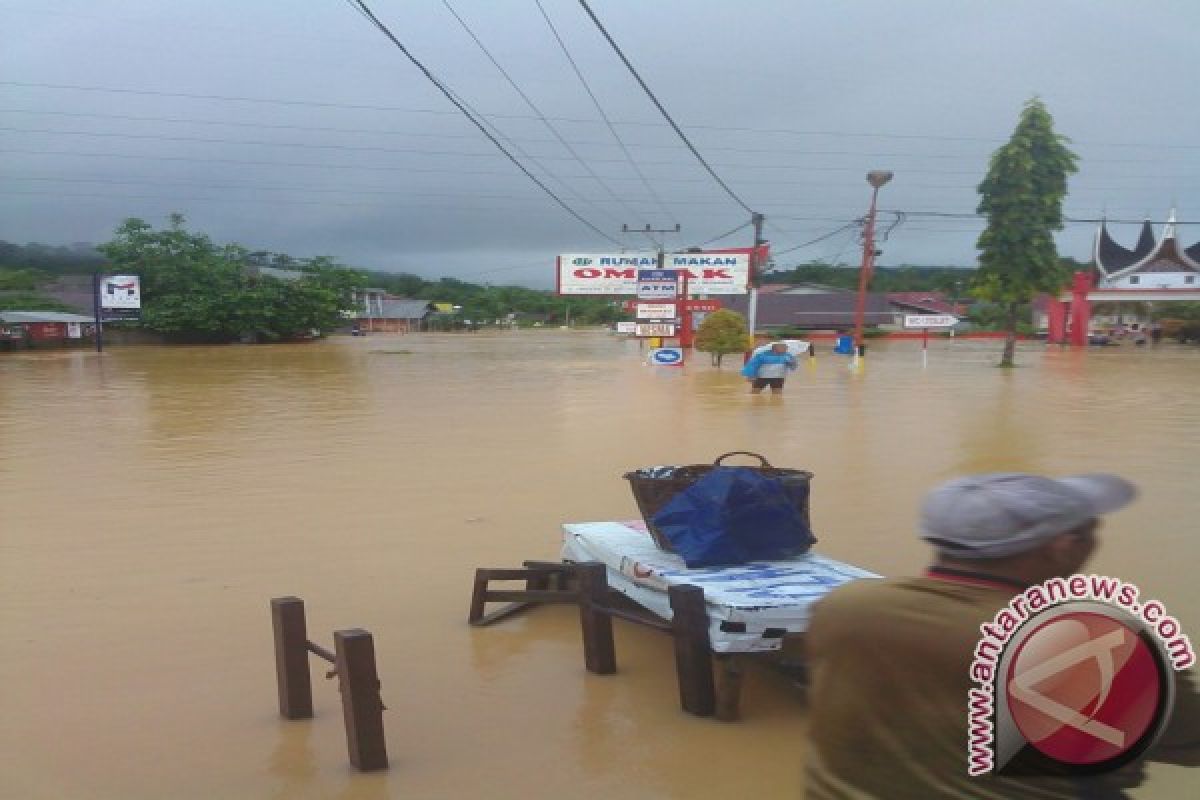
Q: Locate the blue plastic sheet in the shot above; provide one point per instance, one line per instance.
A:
(734, 515)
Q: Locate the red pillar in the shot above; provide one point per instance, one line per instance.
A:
(1056, 321)
(1081, 309)
(685, 316)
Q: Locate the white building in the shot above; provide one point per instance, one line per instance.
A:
(1164, 264)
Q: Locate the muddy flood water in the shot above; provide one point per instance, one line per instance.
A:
(153, 500)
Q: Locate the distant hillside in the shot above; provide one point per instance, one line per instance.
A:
(55, 259)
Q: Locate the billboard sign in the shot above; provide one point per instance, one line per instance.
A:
(120, 297)
(655, 329)
(657, 284)
(617, 273)
(930, 320)
(656, 311)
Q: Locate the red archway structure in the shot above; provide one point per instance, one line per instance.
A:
(1152, 271)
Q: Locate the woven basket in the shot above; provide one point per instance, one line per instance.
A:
(652, 492)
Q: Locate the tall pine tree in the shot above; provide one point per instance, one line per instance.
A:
(1022, 198)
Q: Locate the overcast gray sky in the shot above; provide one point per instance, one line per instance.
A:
(296, 127)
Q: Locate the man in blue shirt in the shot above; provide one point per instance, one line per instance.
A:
(769, 368)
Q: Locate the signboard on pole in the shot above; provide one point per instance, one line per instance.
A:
(617, 273)
(120, 297)
(656, 311)
(626, 327)
(657, 284)
(930, 320)
(655, 329)
(667, 356)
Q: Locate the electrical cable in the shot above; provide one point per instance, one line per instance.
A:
(533, 106)
(663, 111)
(821, 238)
(361, 6)
(729, 232)
(600, 110)
(628, 123)
(593, 142)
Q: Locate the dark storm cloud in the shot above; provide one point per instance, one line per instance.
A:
(364, 160)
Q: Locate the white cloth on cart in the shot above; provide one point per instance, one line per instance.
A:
(769, 598)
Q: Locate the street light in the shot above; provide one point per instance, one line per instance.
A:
(876, 178)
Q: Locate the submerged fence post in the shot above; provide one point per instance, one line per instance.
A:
(693, 652)
(362, 707)
(291, 658)
(599, 651)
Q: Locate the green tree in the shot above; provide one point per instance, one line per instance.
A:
(1022, 196)
(195, 290)
(722, 332)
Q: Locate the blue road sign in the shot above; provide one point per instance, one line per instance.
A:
(667, 356)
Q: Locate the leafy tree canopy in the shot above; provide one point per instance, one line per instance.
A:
(721, 333)
(1022, 196)
(195, 290)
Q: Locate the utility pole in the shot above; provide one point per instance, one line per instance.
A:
(876, 178)
(752, 278)
(97, 280)
(686, 319)
(662, 254)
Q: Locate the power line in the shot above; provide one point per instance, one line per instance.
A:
(362, 7)
(821, 238)
(663, 111)
(533, 106)
(972, 215)
(265, 188)
(591, 142)
(729, 232)
(627, 123)
(225, 198)
(600, 109)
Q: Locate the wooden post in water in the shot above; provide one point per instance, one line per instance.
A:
(291, 658)
(599, 651)
(362, 707)
(693, 653)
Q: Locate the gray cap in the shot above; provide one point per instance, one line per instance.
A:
(1004, 513)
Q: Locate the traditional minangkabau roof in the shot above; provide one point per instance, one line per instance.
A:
(1165, 255)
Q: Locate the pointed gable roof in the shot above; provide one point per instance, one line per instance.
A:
(1112, 257)
(1167, 255)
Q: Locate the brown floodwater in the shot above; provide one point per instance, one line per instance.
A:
(153, 500)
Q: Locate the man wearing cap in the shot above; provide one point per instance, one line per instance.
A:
(891, 659)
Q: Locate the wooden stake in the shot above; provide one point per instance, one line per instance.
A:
(291, 658)
(362, 708)
(693, 653)
(599, 651)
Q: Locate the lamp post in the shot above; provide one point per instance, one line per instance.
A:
(876, 178)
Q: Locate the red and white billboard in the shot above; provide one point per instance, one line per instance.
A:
(709, 272)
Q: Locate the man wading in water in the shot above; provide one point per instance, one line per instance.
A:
(891, 659)
(769, 368)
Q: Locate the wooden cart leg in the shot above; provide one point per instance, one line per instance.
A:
(693, 653)
(729, 687)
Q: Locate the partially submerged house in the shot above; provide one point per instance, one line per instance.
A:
(378, 311)
(19, 329)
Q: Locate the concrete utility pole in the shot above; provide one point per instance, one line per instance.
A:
(876, 178)
(662, 254)
(752, 278)
(686, 319)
